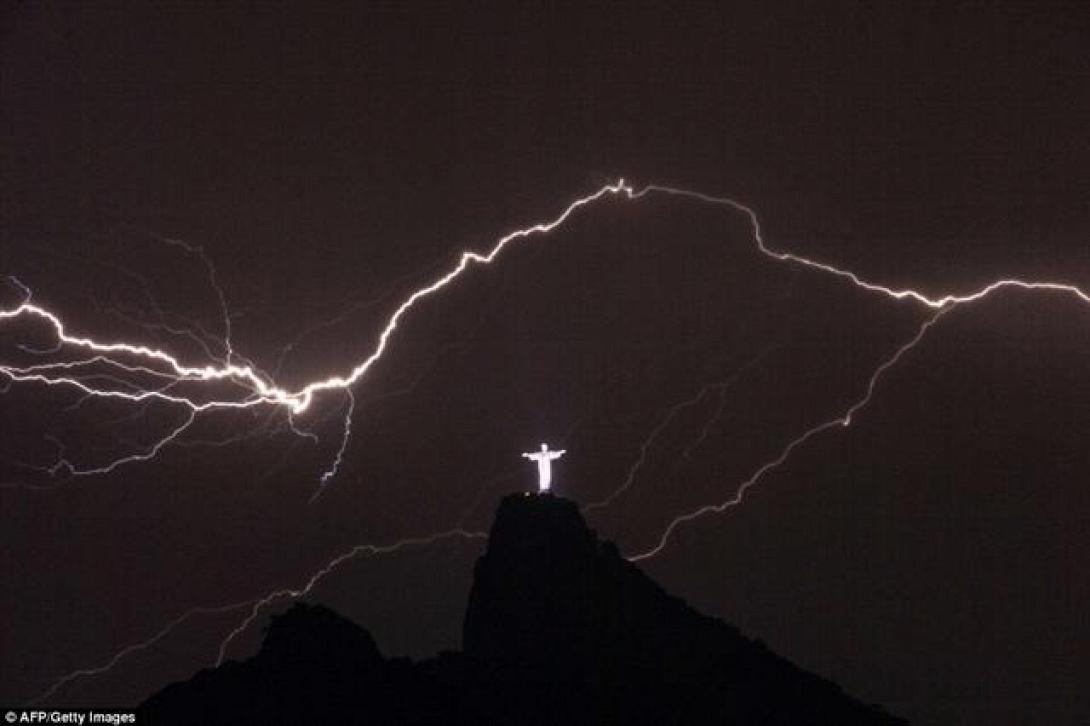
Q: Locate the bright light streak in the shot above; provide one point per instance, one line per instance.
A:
(365, 549)
(256, 388)
(331, 472)
(256, 604)
(134, 648)
(259, 389)
(263, 390)
(719, 388)
(843, 420)
(897, 294)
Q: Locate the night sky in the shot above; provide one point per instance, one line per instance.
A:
(331, 158)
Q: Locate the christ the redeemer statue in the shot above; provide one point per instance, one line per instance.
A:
(544, 459)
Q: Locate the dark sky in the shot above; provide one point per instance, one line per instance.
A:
(329, 158)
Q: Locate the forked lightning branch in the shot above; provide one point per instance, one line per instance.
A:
(132, 362)
(198, 387)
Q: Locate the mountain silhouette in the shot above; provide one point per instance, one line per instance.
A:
(559, 629)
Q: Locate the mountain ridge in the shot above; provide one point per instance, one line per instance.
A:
(559, 628)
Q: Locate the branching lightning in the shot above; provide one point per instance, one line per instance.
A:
(843, 420)
(331, 472)
(134, 648)
(255, 604)
(256, 388)
(120, 371)
(330, 566)
(718, 389)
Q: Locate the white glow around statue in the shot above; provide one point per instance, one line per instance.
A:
(544, 459)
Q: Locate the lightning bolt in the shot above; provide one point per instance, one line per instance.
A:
(255, 388)
(842, 420)
(331, 472)
(718, 388)
(134, 648)
(263, 390)
(258, 389)
(895, 293)
(330, 566)
(255, 604)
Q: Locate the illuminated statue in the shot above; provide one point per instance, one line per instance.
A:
(544, 459)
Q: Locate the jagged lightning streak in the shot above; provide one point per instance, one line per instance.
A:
(301, 399)
(719, 387)
(365, 549)
(198, 252)
(261, 389)
(843, 420)
(941, 304)
(134, 648)
(255, 604)
(15, 282)
(146, 455)
(346, 311)
(331, 472)
(895, 293)
(661, 426)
